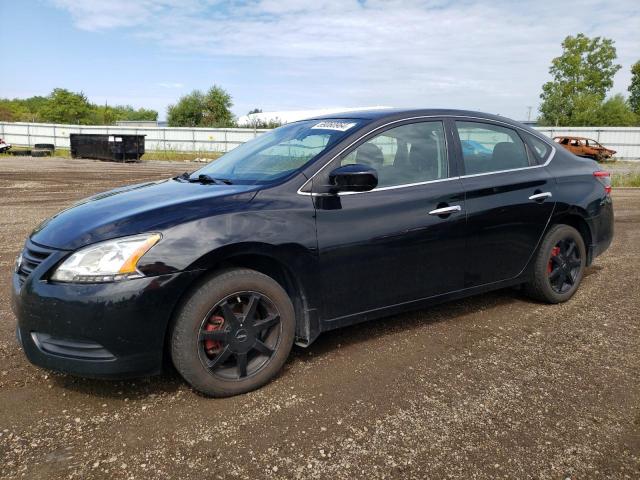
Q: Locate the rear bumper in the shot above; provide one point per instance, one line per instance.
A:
(97, 330)
(602, 228)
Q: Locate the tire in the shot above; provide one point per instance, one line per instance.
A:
(20, 153)
(41, 153)
(559, 265)
(212, 333)
(45, 146)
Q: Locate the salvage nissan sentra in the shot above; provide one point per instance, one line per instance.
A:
(312, 226)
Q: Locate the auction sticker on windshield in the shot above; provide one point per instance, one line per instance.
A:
(333, 125)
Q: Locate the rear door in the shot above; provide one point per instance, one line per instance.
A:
(392, 245)
(509, 200)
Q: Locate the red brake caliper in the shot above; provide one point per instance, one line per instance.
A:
(554, 251)
(216, 322)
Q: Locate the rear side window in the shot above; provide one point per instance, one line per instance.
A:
(540, 149)
(490, 148)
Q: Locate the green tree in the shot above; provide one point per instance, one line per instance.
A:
(582, 75)
(188, 112)
(34, 105)
(108, 115)
(141, 114)
(197, 109)
(615, 112)
(634, 88)
(217, 108)
(18, 110)
(586, 108)
(63, 106)
(13, 111)
(7, 113)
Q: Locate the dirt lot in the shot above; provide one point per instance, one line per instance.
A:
(494, 386)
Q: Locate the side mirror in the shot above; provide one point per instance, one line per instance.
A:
(355, 177)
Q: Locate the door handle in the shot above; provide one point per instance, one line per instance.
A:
(540, 196)
(446, 210)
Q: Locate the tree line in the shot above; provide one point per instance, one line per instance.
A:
(575, 96)
(196, 109)
(64, 106)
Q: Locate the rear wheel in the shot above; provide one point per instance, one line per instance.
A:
(233, 333)
(559, 265)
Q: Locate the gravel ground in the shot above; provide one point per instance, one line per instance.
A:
(494, 386)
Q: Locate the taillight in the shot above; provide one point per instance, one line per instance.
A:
(604, 178)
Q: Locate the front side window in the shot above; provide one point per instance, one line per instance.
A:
(411, 153)
(490, 148)
(280, 152)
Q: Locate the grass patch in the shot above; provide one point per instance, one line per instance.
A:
(15, 151)
(62, 152)
(163, 155)
(625, 180)
(180, 156)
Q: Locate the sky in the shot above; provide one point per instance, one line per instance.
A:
(490, 56)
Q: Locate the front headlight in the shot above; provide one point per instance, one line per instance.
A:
(108, 261)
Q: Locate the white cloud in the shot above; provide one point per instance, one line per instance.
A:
(491, 55)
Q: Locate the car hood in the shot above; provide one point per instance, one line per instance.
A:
(144, 207)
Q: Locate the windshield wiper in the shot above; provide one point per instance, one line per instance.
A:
(203, 178)
(182, 176)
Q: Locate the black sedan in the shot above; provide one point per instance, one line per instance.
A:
(315, 225)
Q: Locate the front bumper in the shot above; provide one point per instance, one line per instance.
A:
(97, 330)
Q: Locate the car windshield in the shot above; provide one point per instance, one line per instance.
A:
(276, 154)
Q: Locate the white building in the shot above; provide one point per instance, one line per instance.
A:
(286, 116)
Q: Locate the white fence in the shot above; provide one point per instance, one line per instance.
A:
(625, 140)
(157, 138)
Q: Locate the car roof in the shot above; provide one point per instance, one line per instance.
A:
(383, 115)
(396, 113)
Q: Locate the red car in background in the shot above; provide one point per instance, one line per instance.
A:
(585, 147)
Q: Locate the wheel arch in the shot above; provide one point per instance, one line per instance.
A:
(577, 221)
(282, 273)
(267, 260)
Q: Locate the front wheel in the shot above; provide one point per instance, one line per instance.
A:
(233, 334)
(559, 265)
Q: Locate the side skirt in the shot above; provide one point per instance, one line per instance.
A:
(360, 317)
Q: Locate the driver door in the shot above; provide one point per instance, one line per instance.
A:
(390, 245)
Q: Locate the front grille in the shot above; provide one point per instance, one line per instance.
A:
(32, 256)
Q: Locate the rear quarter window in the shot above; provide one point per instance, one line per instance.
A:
(541, 150)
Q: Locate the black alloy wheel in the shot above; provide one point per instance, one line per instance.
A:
(564, 265)
(558, 266)
(233, 332)
(239, 335)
